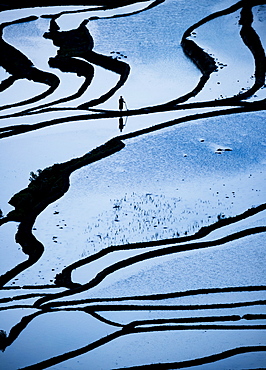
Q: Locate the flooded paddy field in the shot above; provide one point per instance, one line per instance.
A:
(133, 185)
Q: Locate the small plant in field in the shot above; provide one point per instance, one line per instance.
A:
(34, 176)
(221, 216)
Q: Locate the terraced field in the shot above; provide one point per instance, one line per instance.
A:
(133, 185)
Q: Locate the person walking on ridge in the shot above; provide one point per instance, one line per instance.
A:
(121, 103)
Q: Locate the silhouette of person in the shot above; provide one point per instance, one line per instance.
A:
(121, 103)
(79, 43)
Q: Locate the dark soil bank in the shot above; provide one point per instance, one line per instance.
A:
(6, 5)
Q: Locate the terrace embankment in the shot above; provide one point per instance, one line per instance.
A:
(253, 42)
(250, 38)
(203, 60)
(105, 4)
(51, 184)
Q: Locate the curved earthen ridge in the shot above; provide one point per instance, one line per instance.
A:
(51, 184)
(7, 5)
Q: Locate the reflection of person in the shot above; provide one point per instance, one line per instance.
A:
(121, 124)
(75, 55)
(121, 102)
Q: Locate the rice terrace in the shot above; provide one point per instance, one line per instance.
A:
(133, 202)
